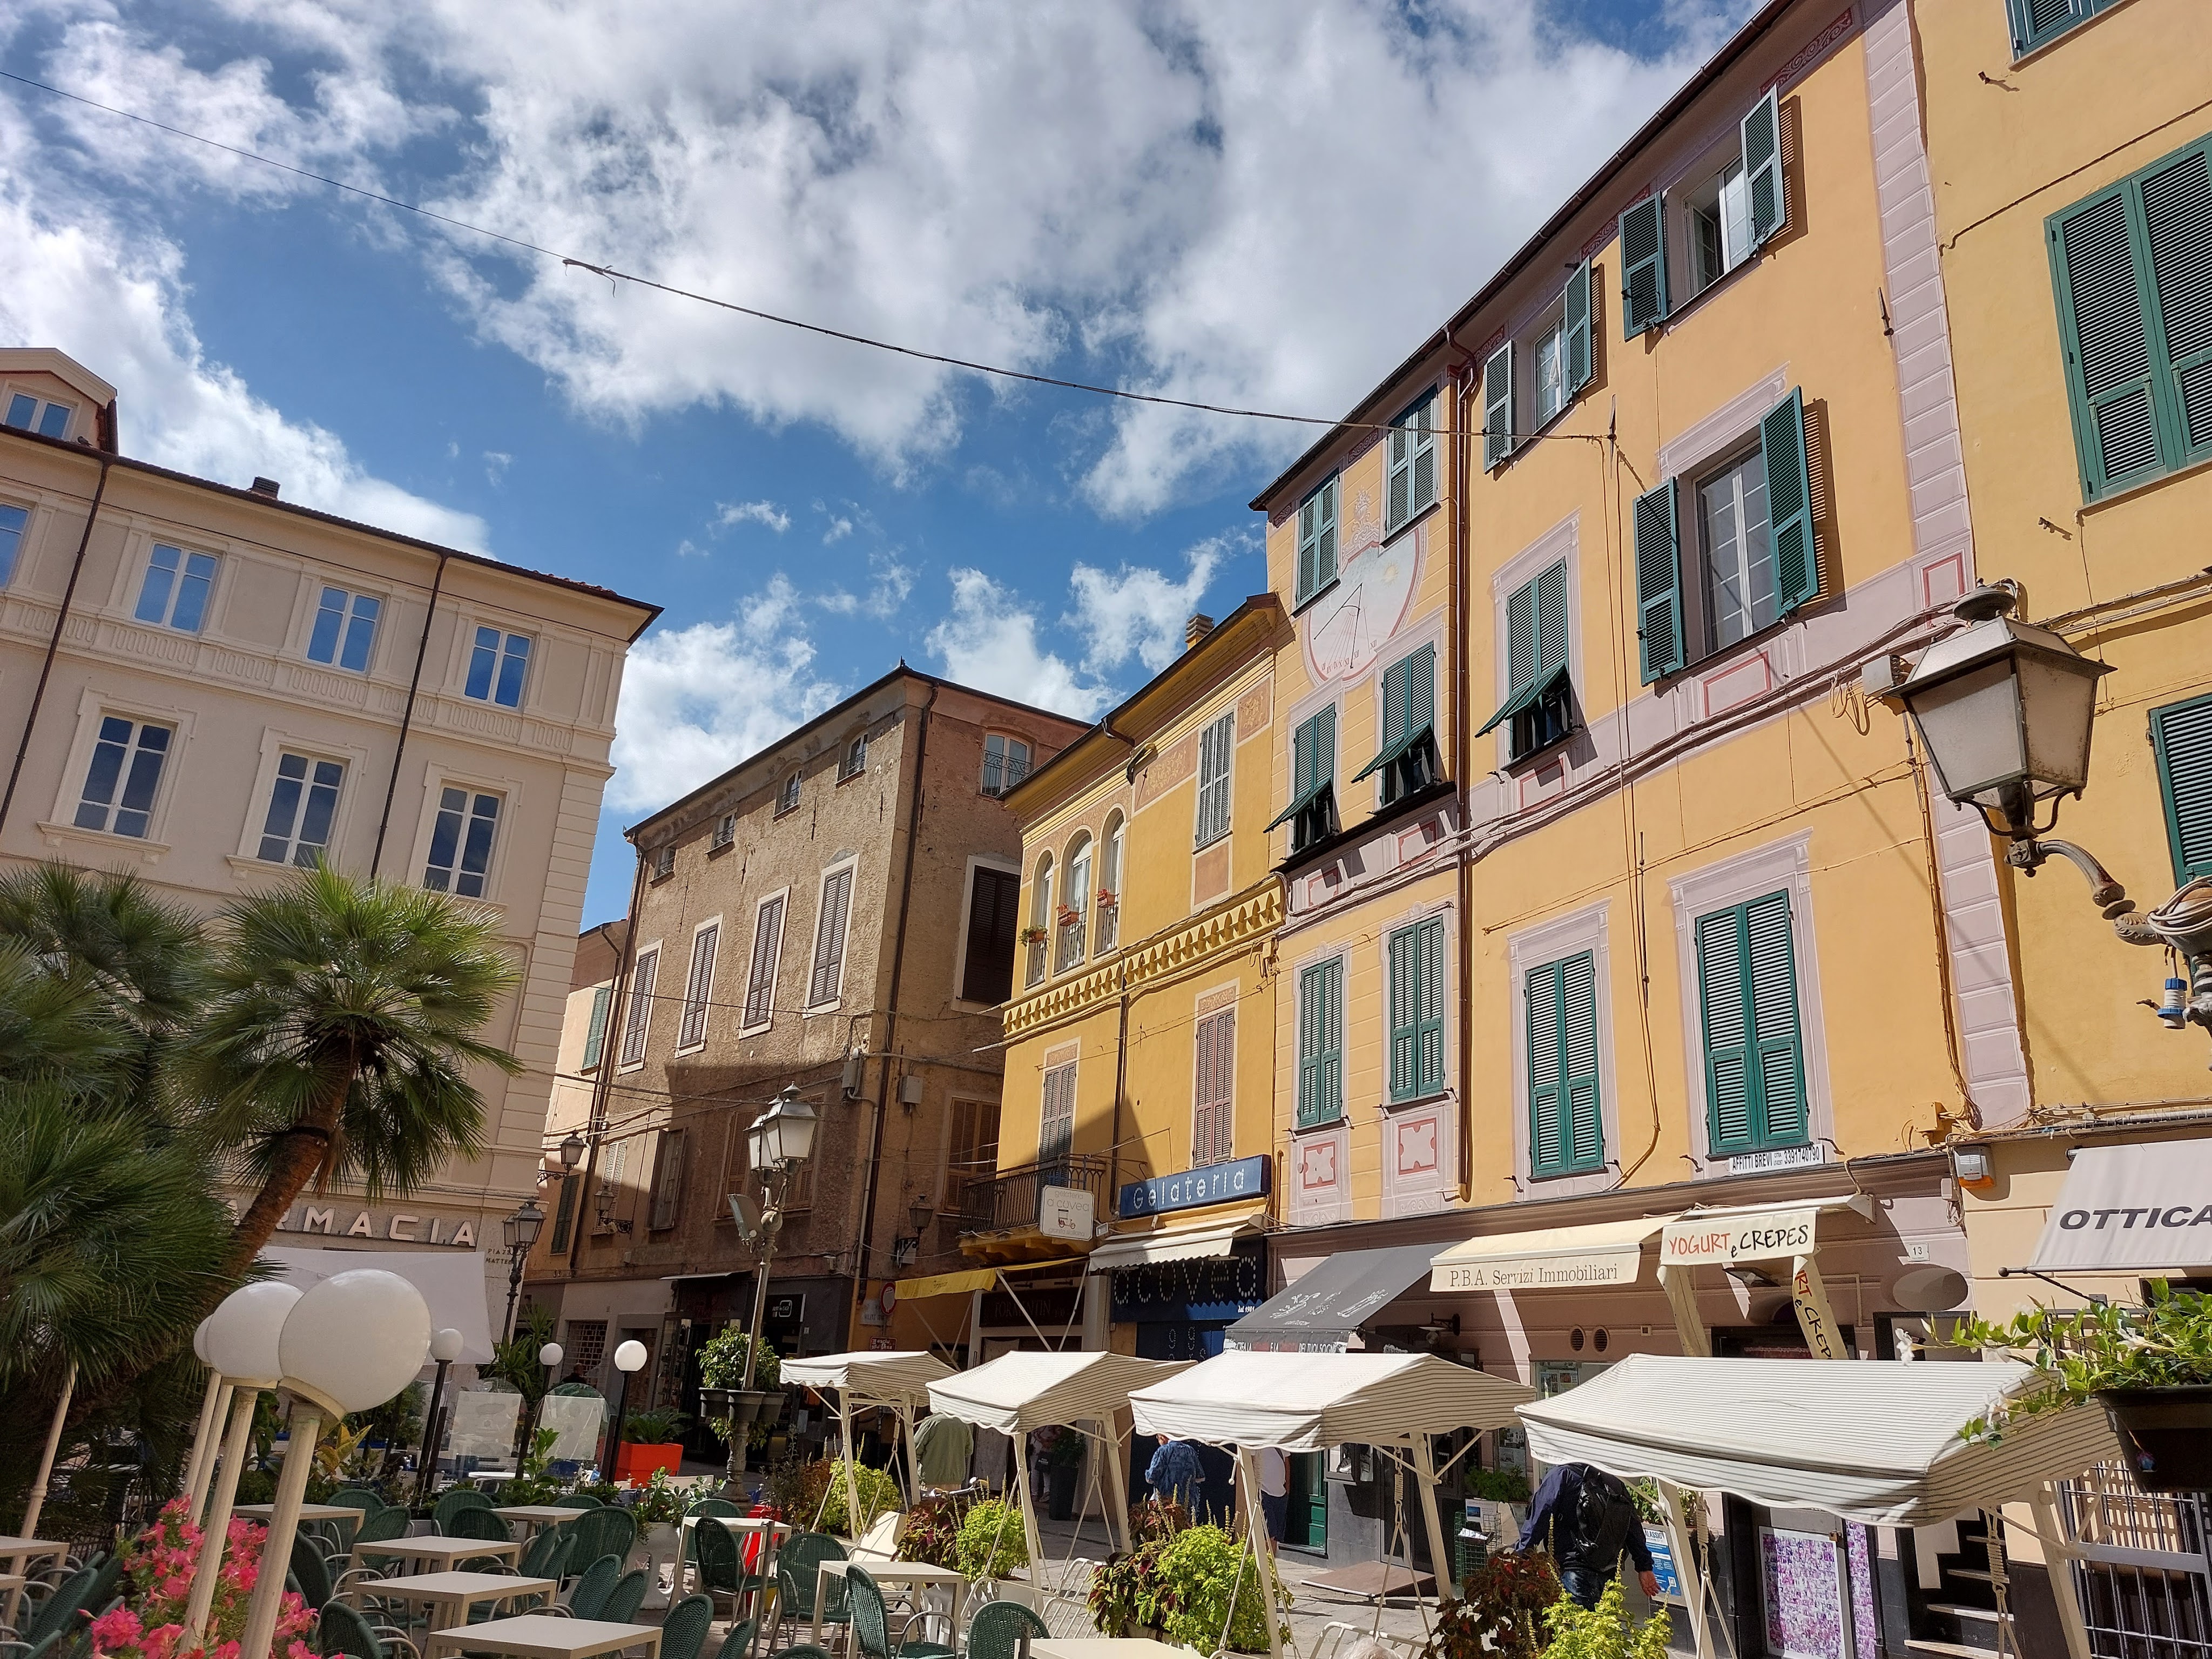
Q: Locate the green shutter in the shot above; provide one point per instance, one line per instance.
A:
(1321, 1043)
(595, 1035)
(1643, 267)
(1576, 337)
(1420, 692)
(2035, 21)
(1754, 1050)
(2104, 330)
(1497, 406)
(1397, 686)
(1312, 765)
(1728, 1124)
(1424, 453)
(1790, 503)
(1317, 540)
(1780, 1072)
(564, 1214)
(1547, 1139)
(1566, 1126)
(1551, 606)
(1521, 637)
(1760, 132)
(1304, 758)
(2177, 216)
(1411, 489)
(1429, 1007)
(2181, 739)
(1659, 583)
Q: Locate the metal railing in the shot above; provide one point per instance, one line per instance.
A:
(1002, 772)
(1013, 1198)
(1070, 951)
(1034, 974)
(1106, 933)
(2144, 1569)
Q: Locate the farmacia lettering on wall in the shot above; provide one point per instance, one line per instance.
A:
(394, 1227)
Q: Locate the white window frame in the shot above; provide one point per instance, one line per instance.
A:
(707, 1000)
(26, 543)
(1005, 740)
(435, 781)
(791, 791)
(1562, 541)
(136, 569)
(13, 389)
(465, 643)
(93, 706)
(630, 1002)
(274, 741)
(1570, 935)
(852, 759)
(1004, 867)
(830, 1005)
(775, 963)
(302, 632)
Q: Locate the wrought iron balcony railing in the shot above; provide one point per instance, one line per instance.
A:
(1012, 1198)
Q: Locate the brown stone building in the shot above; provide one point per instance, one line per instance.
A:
(836, 914)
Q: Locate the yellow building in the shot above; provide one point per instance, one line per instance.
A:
(1141, 1035)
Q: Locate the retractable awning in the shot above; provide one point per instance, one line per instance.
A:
(1311, 1401)
(452, 1282)
(1527, 697)
(1566, 1258)
(1726, 1234)
(2142, 1208)
(968, 1280)
(1190, 1241)
(1320, 1313)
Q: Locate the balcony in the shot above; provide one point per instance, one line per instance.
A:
(1009, 1202)
(1002, 772)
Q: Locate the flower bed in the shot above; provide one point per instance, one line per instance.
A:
(157, 1586)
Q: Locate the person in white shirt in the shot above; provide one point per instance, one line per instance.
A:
(1274, 1489)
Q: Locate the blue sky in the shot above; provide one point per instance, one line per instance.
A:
(1264, 203)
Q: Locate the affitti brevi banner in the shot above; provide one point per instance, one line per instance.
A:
(2145, 1208)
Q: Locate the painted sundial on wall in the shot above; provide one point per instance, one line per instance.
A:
(1347, 627)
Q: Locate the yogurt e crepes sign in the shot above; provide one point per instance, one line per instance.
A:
(2144, 1208)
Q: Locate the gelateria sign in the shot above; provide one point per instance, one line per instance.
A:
(392, 1226)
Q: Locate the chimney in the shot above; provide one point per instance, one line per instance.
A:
(267, 487)
(1196, 628)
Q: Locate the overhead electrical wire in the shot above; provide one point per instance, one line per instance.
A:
(613, 273)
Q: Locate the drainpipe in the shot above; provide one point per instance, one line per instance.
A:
(610, 1056)
(407, 716)
(898, 966)
(54, 640)
(1461, 751)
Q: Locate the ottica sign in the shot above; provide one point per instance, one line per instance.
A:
(1718, 1240)
(1217, 1183)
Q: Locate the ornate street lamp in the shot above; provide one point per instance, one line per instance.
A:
(780, 1140)
(521, 1229)
(571, 1150)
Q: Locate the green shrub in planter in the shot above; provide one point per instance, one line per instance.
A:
(1604, 1632)
(879, 1495)
(931, 1536)
(992, 1541)
(1199, 1570)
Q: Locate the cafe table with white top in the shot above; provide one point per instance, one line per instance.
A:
(919, 1574)
(440, 1553)
(544, 1635)
(17, 1553)
(537, 1516)
(448, 1596)
(343, 1515)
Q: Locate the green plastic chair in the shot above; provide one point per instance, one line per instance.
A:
(683, 1631)
(706, 1506)
(996, 1631)
(376, 1529)
(58, 1611)
(340, 1628)
(589, 1598)
(872, 1634)
(578, 1500)
(310, 1570)
(604, 1532)
(798, 1565)
(356, 1498)
(626, 1598)
(722, 1567)
(451, 1502)
(543, 1556)
(803, 1650)
(740, 1638)
(480, 1524)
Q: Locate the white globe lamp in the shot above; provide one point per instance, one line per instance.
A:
(242, 1334)
(550, 1355)
(446, 1346)
(355, 1340)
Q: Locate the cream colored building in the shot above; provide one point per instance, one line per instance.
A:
(202, 684)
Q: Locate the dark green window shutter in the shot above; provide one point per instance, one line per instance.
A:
(2104, 329)
(1521, 637)
(2181, 738)
(1790, 503)
(1412, 489)
(1424, 419)
(1398, 492)
(2177, 212)
(1659, 582)
(1566, 1126)
(564, 1214)
(1575, 337)
(1397, 685)
(1321, 1043)
(1754, 1055)
(2034, 21)
(1302, 759)
(1727, 1030)
(1317, 540)
(1550, 588)
(595, 1035)
(1421, 691)
(1643, 267)
(1417, 1024)
(1774, 1028)
(1497, 406)
(1548, 1138)
(1761, 134)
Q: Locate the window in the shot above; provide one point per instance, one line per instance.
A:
(1213, 1111)
(27, 414)
(2181, 739)
(2133, 266)
(664, 862)
(498, 665)
(2035, 21)
(1106, 931)
(788, 800)
(1217, 750)
(1072, 908)
(829, 939)
(1538, 709)
(640, 1022)
(972, 1152)
(1559, 356)
(1408, 759)
(1417, 1010)
(1566, 1131)
(668, 1181)
(564, 1214)
(1754, 1052)
(175, 592)
(1720, 227)
(1754, 544)
(700, 987)
(995, 904)
(461, 842)
(725, 832)
(1317, 540)
(125, 776)
(595, 1033)
(302, 803)
(1006, 763)
(1321, 1043)
(1040, 927)
(1056, 1116)
(768, 948)
(856, 758)
(1413, 465)
(345, 629)
(14, 520)
(1734, 210)
(1312, 812)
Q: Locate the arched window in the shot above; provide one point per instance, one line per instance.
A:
(1040, 927)
(1106, 931)
(1075, 907)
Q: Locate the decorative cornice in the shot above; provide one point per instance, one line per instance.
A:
(1230, 927)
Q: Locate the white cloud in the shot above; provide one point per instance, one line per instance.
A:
(838, 530)
(767, 514)
(1139, 613)
(989, 639)
(697, 700)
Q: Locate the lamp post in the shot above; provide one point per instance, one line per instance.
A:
(571, 1151)
(630, 1357)
(445, 1348)
(780, 1140)
(521, 1229)
(242, 1345)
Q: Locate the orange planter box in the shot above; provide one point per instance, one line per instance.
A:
(635, 1462)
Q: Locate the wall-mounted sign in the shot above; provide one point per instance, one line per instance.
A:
(1069, 1212)
(787, 1309)
(1216, 1183)
(395, 1225)
(1722, 1239)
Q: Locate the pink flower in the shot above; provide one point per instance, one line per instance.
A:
(176, 1587)
(159, 1641)
(228, 1650)
(119, 1628)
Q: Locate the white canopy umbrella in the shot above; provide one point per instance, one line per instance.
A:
(898, 1380)
(1311, 1401)
(1877, 1442)
(1018, 1392)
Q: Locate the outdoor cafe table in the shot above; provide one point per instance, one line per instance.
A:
(777, 1531)
(449, 1595)
(1102, 1647)
(15, 1551)
(341, 1514)
(917, 1573)
(445, 1552)
(537, 1516)
(544, 1635)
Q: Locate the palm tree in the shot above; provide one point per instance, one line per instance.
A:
(335, 1036)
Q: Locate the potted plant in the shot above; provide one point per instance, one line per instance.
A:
(658, 1508)
(649, 1442)
(1199, 1570)
(991, 1542)
(1063, 1468)
(1604, 1632)
(1106, 899)
(931, 1536)
(722, 1394)
(1033, 935)
(2150, 1368)
(1124, 1597)
(1502, 1614)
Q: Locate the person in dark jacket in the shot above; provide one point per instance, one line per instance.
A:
(1586, 1519)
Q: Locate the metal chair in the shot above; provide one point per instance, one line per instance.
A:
(451, 1502)
(683, 1631)
(721, 1565)
(872, 1634)
(997, 1627)
(589, 1597)
(798, 1565)
(604, 1532)
(626, 1598)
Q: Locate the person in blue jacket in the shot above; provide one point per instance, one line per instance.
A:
(1587, 1519)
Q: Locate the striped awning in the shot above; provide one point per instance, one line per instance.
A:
(968, 1280)
(1189, 1241)
(869, 1378)
(1311, 1401)
(1568, 1258)
(1018, 1392)
(1873, 1441)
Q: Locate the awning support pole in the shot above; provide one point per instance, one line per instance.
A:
(1014, 1297)
(2058, 1563)
(1028, 1512)
(1682, 1296)
(1687, 1566)
(1424, 1473)
(975, 1329)
(1115, 1449)
(1256, 1539)
(913, 1465)
(1815, 1317)
(852, 1480)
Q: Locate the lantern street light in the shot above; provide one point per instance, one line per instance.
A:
(521, 1229)
(630, 1357)
(781, 1139)
(571, 1150)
